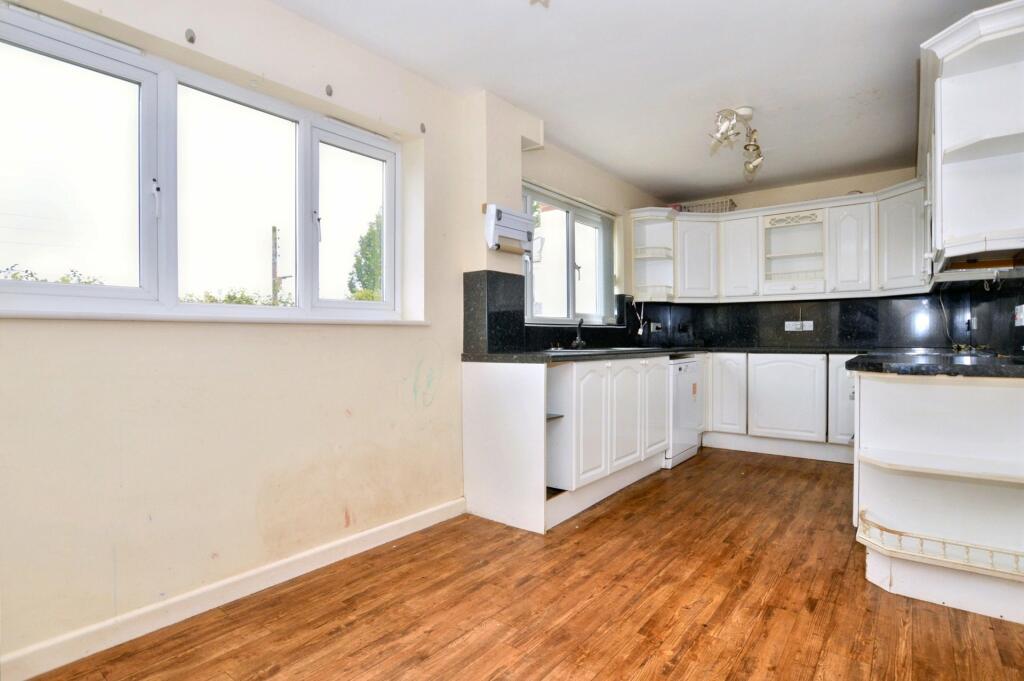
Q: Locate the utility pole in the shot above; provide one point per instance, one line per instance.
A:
(275, 280)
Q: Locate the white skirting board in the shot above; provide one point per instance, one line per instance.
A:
(982, 594)
(821, 451)
(46, 655)
(567, 504)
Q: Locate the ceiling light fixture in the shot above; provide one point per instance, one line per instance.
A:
(727, 127)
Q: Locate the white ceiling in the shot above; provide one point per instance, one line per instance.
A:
(634, 85)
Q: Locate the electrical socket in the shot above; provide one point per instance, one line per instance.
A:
(794, 326)
(1018, 315)
(655, 326)
(808, 326)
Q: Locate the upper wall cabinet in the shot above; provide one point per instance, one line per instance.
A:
(740, 275)
(849, 248)
(832, 248)
(902, 240)
(697, 262)
(653, 248)
(793, 252)
(972, 127)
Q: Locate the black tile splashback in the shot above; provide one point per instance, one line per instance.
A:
(494, 320)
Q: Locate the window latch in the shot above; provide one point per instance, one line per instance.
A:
(316, 219)
(156, 198)
(579, 271)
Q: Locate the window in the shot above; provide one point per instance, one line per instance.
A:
(355, 214)
(69, 172)
(131, 187)
(569, 276)
(236, 203)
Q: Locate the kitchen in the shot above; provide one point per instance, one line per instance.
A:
(645, 346)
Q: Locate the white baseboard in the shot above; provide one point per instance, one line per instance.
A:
(567, 504)
(821, 451)
(57, 651)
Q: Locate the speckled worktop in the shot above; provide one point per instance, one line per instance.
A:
(945, 363)
(592, 354)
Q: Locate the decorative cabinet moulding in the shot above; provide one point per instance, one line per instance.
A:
(794, 219)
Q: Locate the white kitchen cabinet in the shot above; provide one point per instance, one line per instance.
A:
(902, 241)
(625, 412)
(840, 400)
(590, 421)
(729, 392)
(738, 239)
(793, 253)
(696, 259)
(849, 247)
(656, 413)
(787, 396)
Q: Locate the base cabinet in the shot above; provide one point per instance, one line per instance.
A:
(729, 392)
(625, 415)
(787, 394)
(608, 415)
(841, 400)
(656, 413)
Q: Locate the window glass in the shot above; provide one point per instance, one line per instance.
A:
(69, 172)
(588, 268)
(351, 212)
(236, 203)
(549, 261)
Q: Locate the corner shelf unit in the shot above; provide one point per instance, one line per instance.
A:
(653, 254)
(943, 552)
(972, 467)
(972, 126)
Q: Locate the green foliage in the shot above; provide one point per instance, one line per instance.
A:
(366, 280)
(73, 276)
(240, 296)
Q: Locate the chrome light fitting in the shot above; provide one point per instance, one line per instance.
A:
(727, 127)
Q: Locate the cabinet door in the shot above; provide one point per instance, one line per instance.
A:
(729, 392)
(696, 259)
(739, 257)
(625, 412)
(788, 396)
(902, 241)
(849, 247)
(590, 422)
(840, 400)
(655, 411)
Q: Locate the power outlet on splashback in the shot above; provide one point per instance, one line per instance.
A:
(799, 326)
(1018, 315)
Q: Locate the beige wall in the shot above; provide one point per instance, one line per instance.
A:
(142, 460)
(809, 191)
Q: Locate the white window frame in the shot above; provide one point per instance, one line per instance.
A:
(573, 208)
(156, 297)
(388, 155)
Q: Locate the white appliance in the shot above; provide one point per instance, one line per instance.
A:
(687, 404)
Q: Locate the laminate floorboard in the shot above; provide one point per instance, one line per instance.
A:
(732, 566)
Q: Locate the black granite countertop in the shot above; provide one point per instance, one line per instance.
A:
(945, 363)
(593, 354)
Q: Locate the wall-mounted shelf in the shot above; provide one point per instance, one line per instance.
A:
(794, 254)
(986, 560)
(653, 253)
(974, 467)
(984, 147)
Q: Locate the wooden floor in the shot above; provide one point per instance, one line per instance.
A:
(731, 566)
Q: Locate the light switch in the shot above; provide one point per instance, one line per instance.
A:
(808, 326)
(794, 326)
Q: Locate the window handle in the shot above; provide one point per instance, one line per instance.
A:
(319, 233)
(156, 198)
(578, 269)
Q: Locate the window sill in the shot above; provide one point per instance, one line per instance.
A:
(191, 312)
